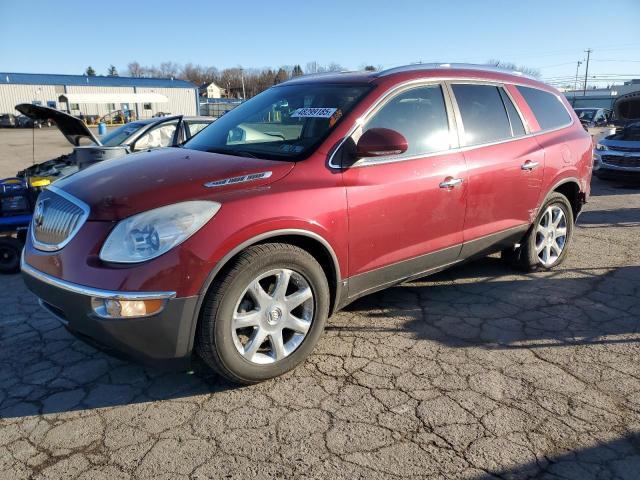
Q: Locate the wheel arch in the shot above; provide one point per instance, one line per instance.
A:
(570, 188)
(309, 241)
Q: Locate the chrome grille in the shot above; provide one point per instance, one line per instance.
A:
(622, 161)
(56, 219)
(618, 148)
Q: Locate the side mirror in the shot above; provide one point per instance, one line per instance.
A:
(380, 142)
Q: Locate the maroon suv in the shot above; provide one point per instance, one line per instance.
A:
(317, 191)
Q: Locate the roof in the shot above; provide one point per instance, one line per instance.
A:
(463, 69)
(84, 80)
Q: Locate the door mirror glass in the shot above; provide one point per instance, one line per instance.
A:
(380, 142)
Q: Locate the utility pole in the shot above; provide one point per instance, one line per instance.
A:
(244, 95)
(575, 84)
(586, 72)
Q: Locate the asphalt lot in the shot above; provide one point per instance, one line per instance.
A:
(478, 372)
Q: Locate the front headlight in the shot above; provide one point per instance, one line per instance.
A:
(149, 234)
(601, 148)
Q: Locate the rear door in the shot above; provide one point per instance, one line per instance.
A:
(505, 166)
(402, 218)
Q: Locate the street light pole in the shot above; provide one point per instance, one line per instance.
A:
(575, 84)
(586, 72)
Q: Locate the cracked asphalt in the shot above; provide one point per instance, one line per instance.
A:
(475, 373)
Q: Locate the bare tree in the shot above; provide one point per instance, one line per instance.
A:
(534, 72)
(134, 69)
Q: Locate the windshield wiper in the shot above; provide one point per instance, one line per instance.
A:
(231, 151)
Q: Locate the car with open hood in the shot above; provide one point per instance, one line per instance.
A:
(318, 191)
(617, 156)
(88, 149)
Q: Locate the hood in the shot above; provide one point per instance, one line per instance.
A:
(71, 127)
(627, 107)
(119, 188)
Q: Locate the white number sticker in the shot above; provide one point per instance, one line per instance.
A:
(314, 112)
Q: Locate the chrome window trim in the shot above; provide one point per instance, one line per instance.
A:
(90, 291)
(490, 83)
(443, 81)
(46, 247)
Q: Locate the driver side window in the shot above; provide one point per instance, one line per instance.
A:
(420, 115)
(158, 137)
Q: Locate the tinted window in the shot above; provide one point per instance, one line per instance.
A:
(483, 114)
(517, 128)
(547, 108)
(420, 115)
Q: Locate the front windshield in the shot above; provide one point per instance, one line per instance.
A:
(586, 114)
(119, 135)
(282, 123)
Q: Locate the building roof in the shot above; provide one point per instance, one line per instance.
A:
(84, 80)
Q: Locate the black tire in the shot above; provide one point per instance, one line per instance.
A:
(214, 342)
(526, 257)
(10, 250)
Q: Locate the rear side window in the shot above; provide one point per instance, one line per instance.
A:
(547, 108)
(483, 113)
(420, 115)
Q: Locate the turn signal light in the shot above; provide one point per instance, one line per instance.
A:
(110, 308)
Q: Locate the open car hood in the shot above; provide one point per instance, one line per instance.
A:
(627, 107)
(71, 127)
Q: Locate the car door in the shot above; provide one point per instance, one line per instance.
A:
(505, 166)
(403, 217)
(192, 126)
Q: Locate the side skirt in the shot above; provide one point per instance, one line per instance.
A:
(428, 264)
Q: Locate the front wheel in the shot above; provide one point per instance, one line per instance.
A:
(547, 241)
(10, 250)
(264, 314)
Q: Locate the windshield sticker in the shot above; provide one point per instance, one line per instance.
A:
(314, 112)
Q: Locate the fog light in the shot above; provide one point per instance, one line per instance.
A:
(111, 308)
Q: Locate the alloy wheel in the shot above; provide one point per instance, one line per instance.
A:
(272, 316)
(551, 235)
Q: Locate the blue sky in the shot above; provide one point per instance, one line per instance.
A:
(66, 36)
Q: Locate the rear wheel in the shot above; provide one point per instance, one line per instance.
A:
(264, 314)
(10, 250)
(547, 241)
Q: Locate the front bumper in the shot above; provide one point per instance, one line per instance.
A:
(163, 340)
(616, 165)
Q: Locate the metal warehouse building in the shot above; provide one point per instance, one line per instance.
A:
(98, 95)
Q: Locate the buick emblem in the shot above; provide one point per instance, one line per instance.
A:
(38, 213)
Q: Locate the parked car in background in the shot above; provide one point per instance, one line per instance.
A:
(23, 121)
(88, 149)
(316, 192)
(7, 120)
(593, 117)
(617, 156)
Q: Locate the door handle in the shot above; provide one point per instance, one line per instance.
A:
(529, 165)
(451, 182)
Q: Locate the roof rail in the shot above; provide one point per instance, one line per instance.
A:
(443, 66)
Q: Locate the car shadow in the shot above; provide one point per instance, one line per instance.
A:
(484, 304)
(600, 187)
(622, 217)
(619, 458)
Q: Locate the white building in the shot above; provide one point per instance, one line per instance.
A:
(211, 90)
(98, 95)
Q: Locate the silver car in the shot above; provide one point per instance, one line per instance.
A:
(618, 156)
